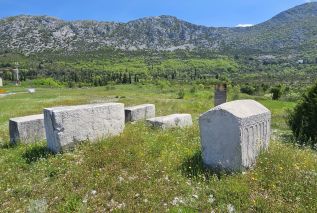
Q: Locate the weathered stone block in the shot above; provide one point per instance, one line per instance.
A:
(233, 134)
(140, 112)
(66, 126)
(27, 129)
(171, 121)
(220, 94)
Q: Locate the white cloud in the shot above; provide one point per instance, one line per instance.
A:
(244, 25)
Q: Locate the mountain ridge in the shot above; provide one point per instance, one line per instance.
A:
(291, 29)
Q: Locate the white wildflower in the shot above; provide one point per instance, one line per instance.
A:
(132, 178)
(93, 192)
(85, 200)
(211, 199)
(121, 179)
(120, 205)
(177, 201)
(230, 208)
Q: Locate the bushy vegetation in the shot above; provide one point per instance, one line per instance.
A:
(123, 67)
(98, 68)
(277, 91)
(303, 119)
(181, 93)
(247, 89)
(43, 82)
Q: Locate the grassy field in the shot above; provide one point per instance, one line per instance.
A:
(147, 170)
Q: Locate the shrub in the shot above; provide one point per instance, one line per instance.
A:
(181, 94)
(200, 87)
(110, 87)
(247, 89)
(71, 84)
(236, 93)
(277, 92)
(291, 96)
(193, 89)
(163, 84)
(265, 87)
(46, 82)
(303, 119)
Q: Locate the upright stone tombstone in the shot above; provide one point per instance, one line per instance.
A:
(1, 82)
(66, 126)
(220, 94)
(140, 112)
(27, 129)
(233, 134)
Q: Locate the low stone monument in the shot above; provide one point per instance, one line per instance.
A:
(31, 90)
(27, 129)
(220, 94)
(66, 126)
(233, 134)
(140, 112)
(171, 121)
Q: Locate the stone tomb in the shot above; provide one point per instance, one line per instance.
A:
(27, 129)
(233, 134)
(220, 94)
(140, 112)
(171, 121)
(66, 126)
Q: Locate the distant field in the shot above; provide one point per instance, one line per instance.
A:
(146, 170)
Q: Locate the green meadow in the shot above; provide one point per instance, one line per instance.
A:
(145, 169)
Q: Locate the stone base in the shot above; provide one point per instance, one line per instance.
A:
(27, 129)
(140, 112)
(171, 121)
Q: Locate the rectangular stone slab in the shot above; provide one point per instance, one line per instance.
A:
(66, 126)
(140, 112)
(171, 121)
(27, 129)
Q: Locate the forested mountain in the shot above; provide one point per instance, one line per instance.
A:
(292, 30)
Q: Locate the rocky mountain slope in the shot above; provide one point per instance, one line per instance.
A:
(290, 30)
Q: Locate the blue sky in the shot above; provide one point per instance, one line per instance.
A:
(204, 12)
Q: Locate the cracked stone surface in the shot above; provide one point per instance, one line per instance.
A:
(66, 126)
(27, 129)
(233, 134)
(140, 112)
(171, 121)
